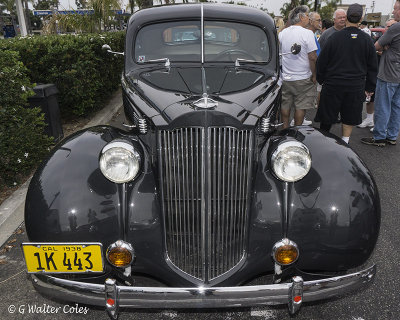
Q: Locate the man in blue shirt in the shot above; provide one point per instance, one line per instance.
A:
(315, 25)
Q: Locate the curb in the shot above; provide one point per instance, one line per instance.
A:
(12, 209)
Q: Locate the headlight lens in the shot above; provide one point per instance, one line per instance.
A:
(119, 162)
(291, 161)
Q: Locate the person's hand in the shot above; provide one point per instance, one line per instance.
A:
(368, 96)
(314, 79)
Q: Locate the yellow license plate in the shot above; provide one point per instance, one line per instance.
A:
(63, 257)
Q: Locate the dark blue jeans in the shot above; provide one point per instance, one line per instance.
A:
(387, 110)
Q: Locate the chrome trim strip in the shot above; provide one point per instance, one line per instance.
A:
(285, 210)
(202, 33)
(214, 297)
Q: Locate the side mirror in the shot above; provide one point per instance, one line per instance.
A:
(107, 48)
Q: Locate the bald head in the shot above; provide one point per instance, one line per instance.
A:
(339, 19)
(389, 23)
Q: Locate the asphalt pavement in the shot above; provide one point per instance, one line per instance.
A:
(18, 299)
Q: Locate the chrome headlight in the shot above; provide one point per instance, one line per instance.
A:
(291, 161)
(119, 161)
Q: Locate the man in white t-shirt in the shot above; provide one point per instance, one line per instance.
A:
(298, 71)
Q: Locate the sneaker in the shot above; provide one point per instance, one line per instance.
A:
(305, 122)
(373, 142)
(366, 123)
(391, 142)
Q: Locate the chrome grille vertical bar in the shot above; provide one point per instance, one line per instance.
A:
(222, 253)
(169, 193)
(203, 203)
(249, 140)
(182, 199)
(232, 199)
(228, 196)
(195, 262)
(187, 192)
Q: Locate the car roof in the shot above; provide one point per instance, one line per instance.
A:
(193, 11)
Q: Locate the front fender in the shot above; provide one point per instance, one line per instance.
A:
(69, 199)
(333, 213)
(68, 194)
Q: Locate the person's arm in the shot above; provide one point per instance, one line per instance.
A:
(372, 70)
(322, 63)
(384, 42)
(312, 59)
(378, 47)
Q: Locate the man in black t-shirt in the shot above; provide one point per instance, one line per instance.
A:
(347, 68)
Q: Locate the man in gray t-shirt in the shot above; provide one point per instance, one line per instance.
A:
(339, 22)
(387, 99)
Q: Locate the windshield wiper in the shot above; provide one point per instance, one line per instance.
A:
(239, 60)
(166, 60)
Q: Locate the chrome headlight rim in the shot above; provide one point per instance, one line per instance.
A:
(281, 243)
(124, 245)
(284, 146)
(118, 145)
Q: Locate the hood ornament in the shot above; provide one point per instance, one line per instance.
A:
(205, 102)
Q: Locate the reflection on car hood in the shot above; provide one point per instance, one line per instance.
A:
(218, 81)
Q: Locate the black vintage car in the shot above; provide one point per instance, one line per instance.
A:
(202, 192)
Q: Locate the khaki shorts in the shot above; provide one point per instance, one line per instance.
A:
(299, 94)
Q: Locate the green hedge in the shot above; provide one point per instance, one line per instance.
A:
(84, 74)
(22, 141)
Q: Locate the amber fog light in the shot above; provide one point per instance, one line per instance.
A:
(285, 252)
(120, 254)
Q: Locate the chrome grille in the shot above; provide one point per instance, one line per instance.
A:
(205, 181)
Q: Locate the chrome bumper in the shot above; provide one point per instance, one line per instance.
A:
(113, 296)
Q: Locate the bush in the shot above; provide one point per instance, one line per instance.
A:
(84, 74)
(22, 141)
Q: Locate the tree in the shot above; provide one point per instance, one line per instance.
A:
(325, 8)
(45, 4)
(103, 11)
(289, 6)
(81, 4)
(7, 5)
(144, 3)
(326, 11)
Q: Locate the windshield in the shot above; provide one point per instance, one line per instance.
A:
(181, 41)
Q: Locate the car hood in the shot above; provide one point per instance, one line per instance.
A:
(168, 93)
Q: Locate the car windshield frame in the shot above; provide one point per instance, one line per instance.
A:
(202, 45)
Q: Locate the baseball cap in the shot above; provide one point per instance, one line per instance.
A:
(355, 11)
